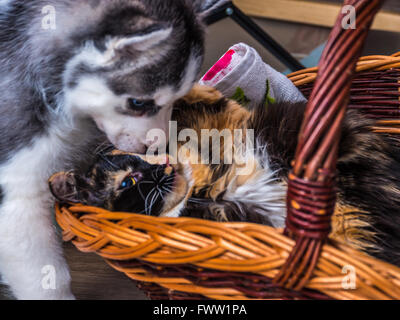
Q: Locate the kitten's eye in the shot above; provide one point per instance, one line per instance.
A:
(136, 104)
(129, 182)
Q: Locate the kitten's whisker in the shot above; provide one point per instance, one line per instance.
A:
(140, 189)
(168, 190)
(103, 147)
(68, 195)
(153, 200)
(146, 201)
(153, 176)
(168, 179)
(160, 192)
(150, 205)
(109, 162)
(141, 193)
(198, 201)
(169, 184)
(158, 171)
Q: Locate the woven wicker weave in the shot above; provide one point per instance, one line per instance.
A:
(375, 89)
(148, 248)
(187, 258)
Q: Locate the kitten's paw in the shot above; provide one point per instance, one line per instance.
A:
(218, 213)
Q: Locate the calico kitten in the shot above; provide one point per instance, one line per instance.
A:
(367, 213)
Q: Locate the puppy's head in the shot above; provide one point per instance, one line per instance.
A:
(132, 64)
(128, 183)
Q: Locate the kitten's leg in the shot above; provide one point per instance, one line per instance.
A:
(31, 260)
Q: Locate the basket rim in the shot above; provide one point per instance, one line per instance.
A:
(366, 63)
(235, 247)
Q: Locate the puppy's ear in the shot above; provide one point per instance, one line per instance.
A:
(63, 187)
(142, 41)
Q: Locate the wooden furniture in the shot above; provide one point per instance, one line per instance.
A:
(321, 13)
(229, 10)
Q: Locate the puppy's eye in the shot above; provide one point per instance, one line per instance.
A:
(129, 182)
(139, 108)
(135, 103)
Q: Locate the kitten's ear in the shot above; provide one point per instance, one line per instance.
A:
(204, 7)
(143, 41)
(63, 187)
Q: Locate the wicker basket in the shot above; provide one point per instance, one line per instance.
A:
(375, 89)
(184, 258)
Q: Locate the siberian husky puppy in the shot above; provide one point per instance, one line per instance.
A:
(70, 70)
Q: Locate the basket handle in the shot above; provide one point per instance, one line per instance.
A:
(311, 196)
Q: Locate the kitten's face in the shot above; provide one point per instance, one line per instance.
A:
(131, 65)
(127, 183)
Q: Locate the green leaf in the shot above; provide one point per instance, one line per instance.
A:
(268, 99)
(240, 97)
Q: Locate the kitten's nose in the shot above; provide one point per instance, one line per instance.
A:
(168, 168)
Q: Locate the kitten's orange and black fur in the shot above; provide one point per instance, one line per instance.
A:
(367, 215)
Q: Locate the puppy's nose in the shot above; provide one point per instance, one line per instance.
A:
(152, 142)
(157, 145)
(127, 143)
(139, 149)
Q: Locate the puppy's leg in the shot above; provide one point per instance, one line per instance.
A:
(31, 260)
(30, 253)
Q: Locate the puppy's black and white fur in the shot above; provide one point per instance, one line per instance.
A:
(103, 61)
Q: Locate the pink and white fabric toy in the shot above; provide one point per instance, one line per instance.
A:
(243, 75)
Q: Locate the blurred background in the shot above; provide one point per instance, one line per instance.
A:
(305, 40)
